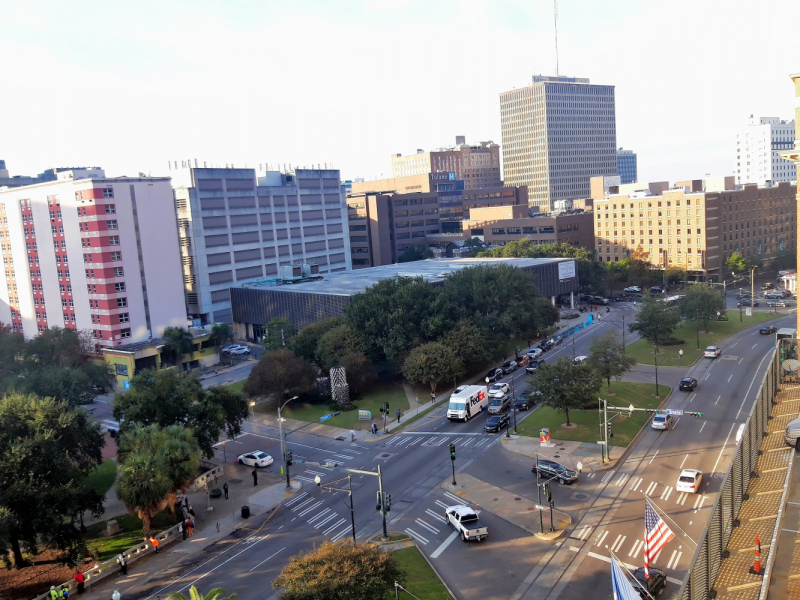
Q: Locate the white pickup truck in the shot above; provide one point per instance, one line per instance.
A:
(466, 522)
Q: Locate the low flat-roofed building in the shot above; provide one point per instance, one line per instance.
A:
(307, 302)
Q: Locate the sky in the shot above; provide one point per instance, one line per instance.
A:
(129, 86)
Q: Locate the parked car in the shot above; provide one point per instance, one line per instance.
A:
(662, 421)
(498, 405)
(712, 352)
(689, 481)
(534, 352)
(768, 330)
(792, 433)
(523, 402)
(747, 302)
(493, 375)
(466, 522)
(255, 459)
(656, 289)
(776, 303)
(498, 390)
(648, 587)
(743, 294)
(786, 293)
(509, 366)
(599, 300)
(774, 295)
(687, 384)
(580, 359)
(549, 469)
(634, 289)
(496, 422)
(233, 347)
(533, 365)
(240, 351)
(523, 360)
(768, 286)
(557, 339)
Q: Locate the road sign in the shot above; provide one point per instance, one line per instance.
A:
(364, 415)
(539, 507)
(325, 417)
(602, 443)
(677, 413)
(748, 311)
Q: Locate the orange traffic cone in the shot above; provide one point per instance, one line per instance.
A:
(756, 570)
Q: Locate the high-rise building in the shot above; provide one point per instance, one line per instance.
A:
(477, 166)
(236, 227)
(758, 147)
(91, 254)
(557, 134)
(58, 173)
(626, 166)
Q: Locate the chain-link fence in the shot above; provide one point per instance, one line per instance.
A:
(698, 583)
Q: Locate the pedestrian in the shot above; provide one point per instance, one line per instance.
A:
(529, 343)
(374, 428)
(154, 543)
(225, 489)
(255, 477)
(353, 435)
(53, 593)
(123, 563)
(186, 502)
(183, 527)
(190, 527)
(191, 511)
(398, 415)
(64, 592)
(433, 396)
(79, 578)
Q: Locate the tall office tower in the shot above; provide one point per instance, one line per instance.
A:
(557, 133)
(478, 166)
(95, 254)
(757, 151)
(235, 228)
(626, 166)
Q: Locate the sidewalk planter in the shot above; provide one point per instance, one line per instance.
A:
(215, 493)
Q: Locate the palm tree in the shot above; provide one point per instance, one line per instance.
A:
(143, 487)
(177, 342)
(215, 594)
(221, 333)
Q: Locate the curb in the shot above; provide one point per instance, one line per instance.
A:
(430, 564)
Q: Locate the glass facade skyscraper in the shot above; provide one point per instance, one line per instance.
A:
(626, 166)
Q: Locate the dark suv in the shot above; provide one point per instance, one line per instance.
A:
(549, 469)
(653, 585)
(494, 375)
(687, 384)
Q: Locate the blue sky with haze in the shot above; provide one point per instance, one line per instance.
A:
(130, 85)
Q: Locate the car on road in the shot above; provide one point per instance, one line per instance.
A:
(775, 295)
(768, 330)
(255, 459)
(634, 289)
(509, 366)
(498, 405)
(545, 345)
(523, 360)
(712, 352)
(466, 522)
(549, 469)
(496, 423)
(534, 352)
(747, 302)
(233, 347)
(580, 359)
(776, 303)
(768, 286)
(493, 375)
(648, 587)
(689, 481)
(498, 390)
(558, 339)
(240, 351)
(599, 300)
(786, 293)
(662, 421)
(534, 365)
(687, 384)
(523, 402)
(656, 289)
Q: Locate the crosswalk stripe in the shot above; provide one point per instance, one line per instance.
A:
(309, 499)
(325, 520)
(622, 479)
(682, 498)
(651, 488)
(607, 476)
(350, 451)
(667, 491)
(336, 537)
(427, 526)
(345, 456)
(314, 472)
(395, 440)
(318, 515)
(297, 499)
(468, 442)
(601, 539)
(304, 478)
(417, 536)
(699, 503)
(635, 484)
(310, 508)
(433, 514)
(591, 475)
(673, 561)
(334, 526)
(637, 545)
(442, 504)
(618, 543)
(454, 497)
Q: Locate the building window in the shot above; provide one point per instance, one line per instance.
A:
(119, 287)
(122, 302)
(111, 209)
(124, 317)
(111, 224)
(113, 240)
(117, 271)
(125, 333)
(108, 193)
(498, 231)
(121, 369)
(116, 256)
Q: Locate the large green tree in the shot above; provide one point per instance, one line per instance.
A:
(221, 334)
(336, 343)
(177, 342)
(608, 357)
(47, 450)
(143, 487)
(278, 333)
(278, 374)
(473, 344)
(168, 397)
(739, 264)
(656, 321)
(340, 571)
(433, 363)
(701, 303)
(360, 373)
(566, 386)
(304, 344)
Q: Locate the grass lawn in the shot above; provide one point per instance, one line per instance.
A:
(236, 386)
(392, 393)
(129, 535)
(587, 423)
(103, 477)
(420, 578)
(643, 351)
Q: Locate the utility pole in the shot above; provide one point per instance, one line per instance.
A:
(383, 505)
(284, 449)
(539, 492)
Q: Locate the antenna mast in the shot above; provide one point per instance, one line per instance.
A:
(555, 22)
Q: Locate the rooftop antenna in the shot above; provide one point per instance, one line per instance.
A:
(555, 22)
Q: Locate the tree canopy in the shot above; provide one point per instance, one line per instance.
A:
(565, 385)
(656, 321)
(47, 450)
(359, 371)
(701, 303)
(336, 343)
(433, 363)
(278, 374)
(177, 342)
(738, 263)
(168, 397)
(304, 344)
(278, 333)
(419, 251)
(340, 571)
(608, 357)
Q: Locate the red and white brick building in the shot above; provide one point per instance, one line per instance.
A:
(91, 254)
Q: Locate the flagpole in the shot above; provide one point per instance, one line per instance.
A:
(622, 564)
(661, 512)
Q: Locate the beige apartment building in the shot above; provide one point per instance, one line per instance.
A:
(478, 166)
(497, 226)
(697, 230)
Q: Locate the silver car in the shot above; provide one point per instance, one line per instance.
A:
(498, 405)
(792, 432)
(662, 421)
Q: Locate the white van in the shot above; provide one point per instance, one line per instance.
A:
(468, 402)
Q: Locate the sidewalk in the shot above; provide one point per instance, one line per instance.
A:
(566, 453)
(293, 426)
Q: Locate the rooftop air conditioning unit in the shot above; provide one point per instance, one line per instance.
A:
(290, 272)
(310, 270)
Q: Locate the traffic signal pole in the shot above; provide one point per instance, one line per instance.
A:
(453, 461)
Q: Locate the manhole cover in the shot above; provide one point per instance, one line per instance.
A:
(562, 448)
(556, 456)
(235, 480)
(495, 499)
(383, 456)
(531, 508)
(578, 496)
(517, 498)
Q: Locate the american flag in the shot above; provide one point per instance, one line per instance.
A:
(656, 535)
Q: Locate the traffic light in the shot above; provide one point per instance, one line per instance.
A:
(288, 458)
(378, 502)
(388, 503)
(697, 414)
(452, 451)
(610, 431)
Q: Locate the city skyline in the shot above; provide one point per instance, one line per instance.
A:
(278, 84)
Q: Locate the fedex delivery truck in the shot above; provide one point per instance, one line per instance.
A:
(469, 401)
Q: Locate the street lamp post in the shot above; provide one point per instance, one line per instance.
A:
(349, 491)
(283, 441)
(655, 362)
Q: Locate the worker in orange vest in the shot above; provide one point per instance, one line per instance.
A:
(154, 542)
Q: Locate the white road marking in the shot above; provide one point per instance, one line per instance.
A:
(651, 488)
(607, 476)
(266, 559)
(327, 519)
(345, 456)
(601, 539)
(618, 544)
(584, 534)
(708, 375)
(622, 479)
(309, 499)
(699, 504)
(591, 475)
(443, 546)
(433, 514)
(314, 472)
(673, 561)
(718, 399)
(468, 442)
(293, 500)
(608, 560)
(667, 491)
(752, 381)
(734, 345)
(754, 347)
(427, 526)
(635, 484)
(681, 499)
(319, 515)
(683, 461)
(714, 470)
(334, 526)
(654, 455)
(637, 546)
(701, 426)
(310, 508)
(442, 504)
(454, 497)
(336, 537)
(417, 536)
(730, 377)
